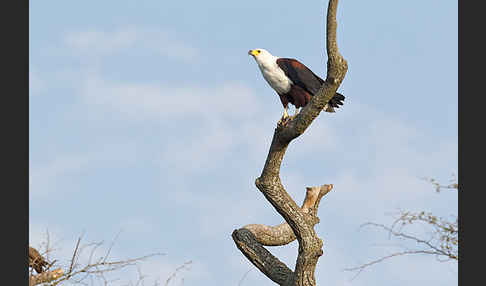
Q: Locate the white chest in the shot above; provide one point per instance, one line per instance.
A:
(276, 78)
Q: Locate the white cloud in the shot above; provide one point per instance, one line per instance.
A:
(158, 101)
(160, 41)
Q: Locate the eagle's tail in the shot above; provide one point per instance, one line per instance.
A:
(335, 101)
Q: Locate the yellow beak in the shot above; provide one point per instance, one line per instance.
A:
(252, 52)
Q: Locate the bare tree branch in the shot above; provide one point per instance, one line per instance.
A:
(74, 255)
(244, 276)
(268, 264)
(173, 275)
(362, 267)
(432, 249)
(438, 187)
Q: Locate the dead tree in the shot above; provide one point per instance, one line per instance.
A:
(300, 221)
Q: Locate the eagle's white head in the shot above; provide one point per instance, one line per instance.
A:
(263, 58)
(273, 74)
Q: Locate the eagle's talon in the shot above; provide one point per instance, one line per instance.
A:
(284, 120)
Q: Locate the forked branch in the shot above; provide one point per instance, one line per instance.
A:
(282, 234)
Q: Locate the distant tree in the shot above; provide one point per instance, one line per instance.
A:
(441, 239)
(92, 269)
(299, 221)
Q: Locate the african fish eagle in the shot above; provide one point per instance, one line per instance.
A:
(292, 80)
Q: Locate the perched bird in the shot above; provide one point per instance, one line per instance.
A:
(292, 80)
(36, 261)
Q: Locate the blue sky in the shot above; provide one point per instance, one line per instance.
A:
(149, 118)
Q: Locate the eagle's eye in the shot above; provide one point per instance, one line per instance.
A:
(258, 51)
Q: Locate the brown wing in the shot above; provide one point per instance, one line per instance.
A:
(300, 75)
